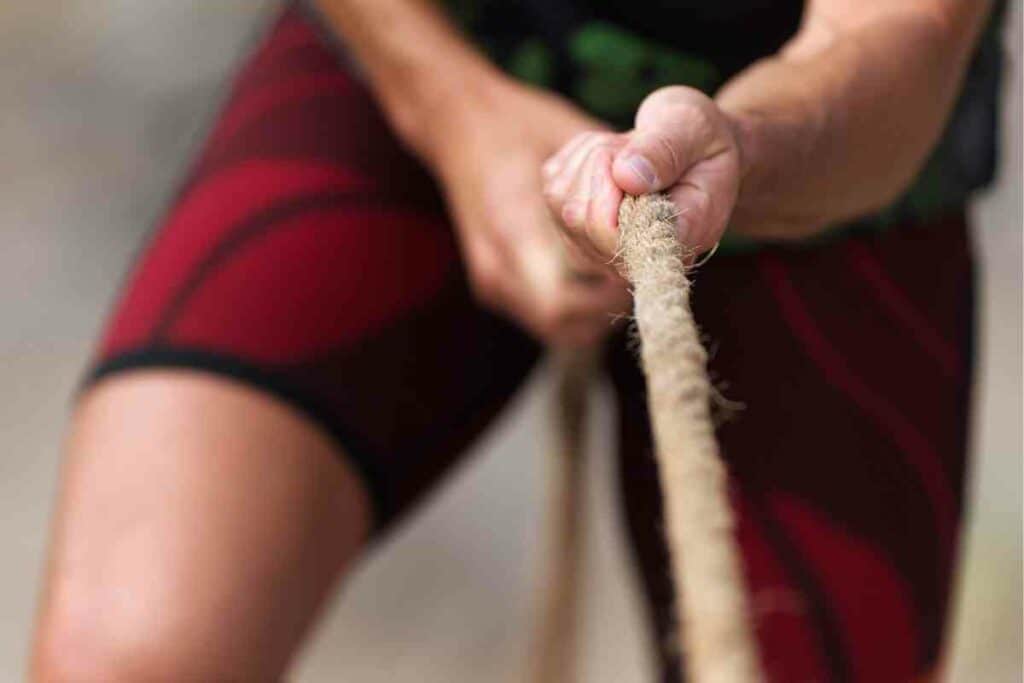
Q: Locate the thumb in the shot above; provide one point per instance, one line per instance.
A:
(674, 128)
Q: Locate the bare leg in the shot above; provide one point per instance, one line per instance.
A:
(199, 527)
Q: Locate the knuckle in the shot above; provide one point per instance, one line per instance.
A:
(605, 153)
(674, 95)
(681, 107)
(554, 193)
(595, 142)
(580, 140)
(698, 119)
(659, 100)
(603, 150)
(574, 213)
(558, 188)
(549, 167)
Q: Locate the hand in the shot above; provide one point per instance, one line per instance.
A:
(488, 158)
(682, 144)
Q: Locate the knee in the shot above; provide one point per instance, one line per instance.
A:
(100, 647)
(87, 657)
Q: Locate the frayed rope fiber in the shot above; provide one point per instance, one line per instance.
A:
(715, 627)
(711, 604)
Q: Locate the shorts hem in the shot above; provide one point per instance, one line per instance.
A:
(355, 451)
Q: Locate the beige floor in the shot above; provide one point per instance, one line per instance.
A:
(99, 102)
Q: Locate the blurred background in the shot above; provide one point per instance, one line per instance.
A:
(101, 102)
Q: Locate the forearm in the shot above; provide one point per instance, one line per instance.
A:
(839, 122)
(420, 68)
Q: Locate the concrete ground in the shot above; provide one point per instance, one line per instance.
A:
(100, 101)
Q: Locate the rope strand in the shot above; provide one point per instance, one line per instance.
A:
(715, 631)
(711, 601)
(554, 643)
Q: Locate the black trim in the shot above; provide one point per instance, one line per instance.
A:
(359, 454)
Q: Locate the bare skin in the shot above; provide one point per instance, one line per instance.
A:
(832, 127)
(189, 541)
(485, 136)
(201, 524)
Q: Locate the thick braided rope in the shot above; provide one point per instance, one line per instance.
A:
(711, 602)
(716, 630)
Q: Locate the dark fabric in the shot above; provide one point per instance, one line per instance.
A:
(852, 364)
(308, 256)
(607, 56)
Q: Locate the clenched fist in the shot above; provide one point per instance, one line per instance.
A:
(682, 144)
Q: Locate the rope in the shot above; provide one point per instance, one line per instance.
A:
(715, 633)
(555, 639)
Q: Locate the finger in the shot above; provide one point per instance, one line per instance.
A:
(545, 297)
(574, 211)
(576, 182)
(675, 128)
(570, 311)
(554, 164)
(580, 266)
(590, 211)
(705, 200)
(602, 218)
(555, 296)
(582, 256)
(557, 187)
(577, 192)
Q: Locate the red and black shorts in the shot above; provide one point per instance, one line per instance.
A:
(309, 256)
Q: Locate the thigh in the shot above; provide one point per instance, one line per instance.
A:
(309, 256)
(199, 527)
(294, 361)
(851, 363)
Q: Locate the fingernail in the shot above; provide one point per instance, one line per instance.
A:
(572, 213)
(643, 170)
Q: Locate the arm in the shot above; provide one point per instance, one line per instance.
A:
(840, 121)
(483, 136)
(833, 126)
(421, 70)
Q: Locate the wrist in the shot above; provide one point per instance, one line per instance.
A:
(772, 150)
